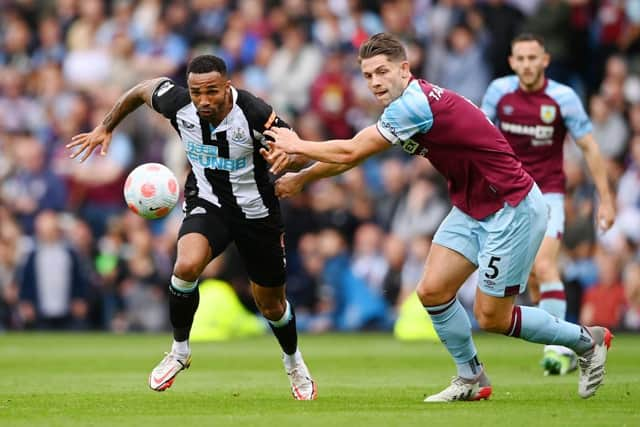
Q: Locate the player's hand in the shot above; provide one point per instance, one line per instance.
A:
(284, 139)
(87, 142)
(278, 159)
(606, 215)
(289, 185)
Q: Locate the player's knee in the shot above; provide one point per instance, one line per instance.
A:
(430, 295)
(188, 268)
(491, 321)
(271, 308)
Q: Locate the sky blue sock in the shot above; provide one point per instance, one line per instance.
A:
(536, 325)
(452, 324)
(553, 299)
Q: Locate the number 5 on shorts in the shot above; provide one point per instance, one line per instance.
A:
(493, 268)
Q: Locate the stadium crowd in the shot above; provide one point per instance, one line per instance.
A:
(73, 257)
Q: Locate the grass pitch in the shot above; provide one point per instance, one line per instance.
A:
(364, 380)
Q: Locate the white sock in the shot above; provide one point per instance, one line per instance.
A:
(181, 348)
(290, 360)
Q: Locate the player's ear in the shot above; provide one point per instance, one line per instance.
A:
(546, 59)
(512, 63)
(405, 69)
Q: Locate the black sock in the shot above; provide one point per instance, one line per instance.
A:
(287, 335)
(182, 308)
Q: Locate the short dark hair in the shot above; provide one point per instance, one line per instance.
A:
(383, 44)
(528, 37)
(206, 64)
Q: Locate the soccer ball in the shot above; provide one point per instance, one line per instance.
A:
(151, 190)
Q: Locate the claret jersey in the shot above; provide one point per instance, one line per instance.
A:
(227, 168)
(536, 124)
(481, 169)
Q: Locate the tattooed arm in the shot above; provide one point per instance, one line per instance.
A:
(101, 135)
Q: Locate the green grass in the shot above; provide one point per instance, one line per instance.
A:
(364, 380)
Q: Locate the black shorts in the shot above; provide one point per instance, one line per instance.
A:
(259, 241)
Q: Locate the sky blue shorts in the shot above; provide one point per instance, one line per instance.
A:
(502, 245)
(555, 227)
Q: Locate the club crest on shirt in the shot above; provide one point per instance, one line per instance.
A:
(410, 146)
(507, 109)
(187, 124)
(548, 113)
(238, 135)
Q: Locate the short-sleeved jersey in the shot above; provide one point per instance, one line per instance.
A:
(482, 171)
(227, 168)
(536, 124)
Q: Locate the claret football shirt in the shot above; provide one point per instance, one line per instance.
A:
(536, 124)
(481, 169)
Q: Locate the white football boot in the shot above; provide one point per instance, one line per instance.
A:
(592, 362)
(163, 375)
(463, 389)
(302, 385)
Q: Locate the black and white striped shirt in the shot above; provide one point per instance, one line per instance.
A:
(227, 169)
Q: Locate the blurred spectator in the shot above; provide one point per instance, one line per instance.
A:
(329, 202)
(143, 290)
(98, 189)
(414, 265)
(609, 128)
(395, 254)
(325, 29)
(10, 254)
(331, 96)
(357, 23)
(18, 111)
(503, 22)
(356, 307)
(631, 280)
(604, 303)
(238, 46)
(163, 53)
(120, 24)
(87, 64)
(255, 78)
(33, 187)
(52, 301)
(292, 70)
(15, 53)
(51, 47)
(368, 261)
(304, 288)
(419, 212)
(552, 21)
(394, 183)
(629, 184)
(211, 16)
(464, 53)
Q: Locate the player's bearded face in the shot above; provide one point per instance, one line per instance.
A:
(386, 79)
(528, 60)
(210, 94)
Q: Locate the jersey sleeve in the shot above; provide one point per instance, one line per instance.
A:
(261, 116)
(168, 98)
(575, 117)
(497, 89)
(490, 101)
(406, 116)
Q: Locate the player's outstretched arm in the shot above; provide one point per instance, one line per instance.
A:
(595, 163)
(101, 135)
(281, 161)
(342, 151)
(291, 184)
